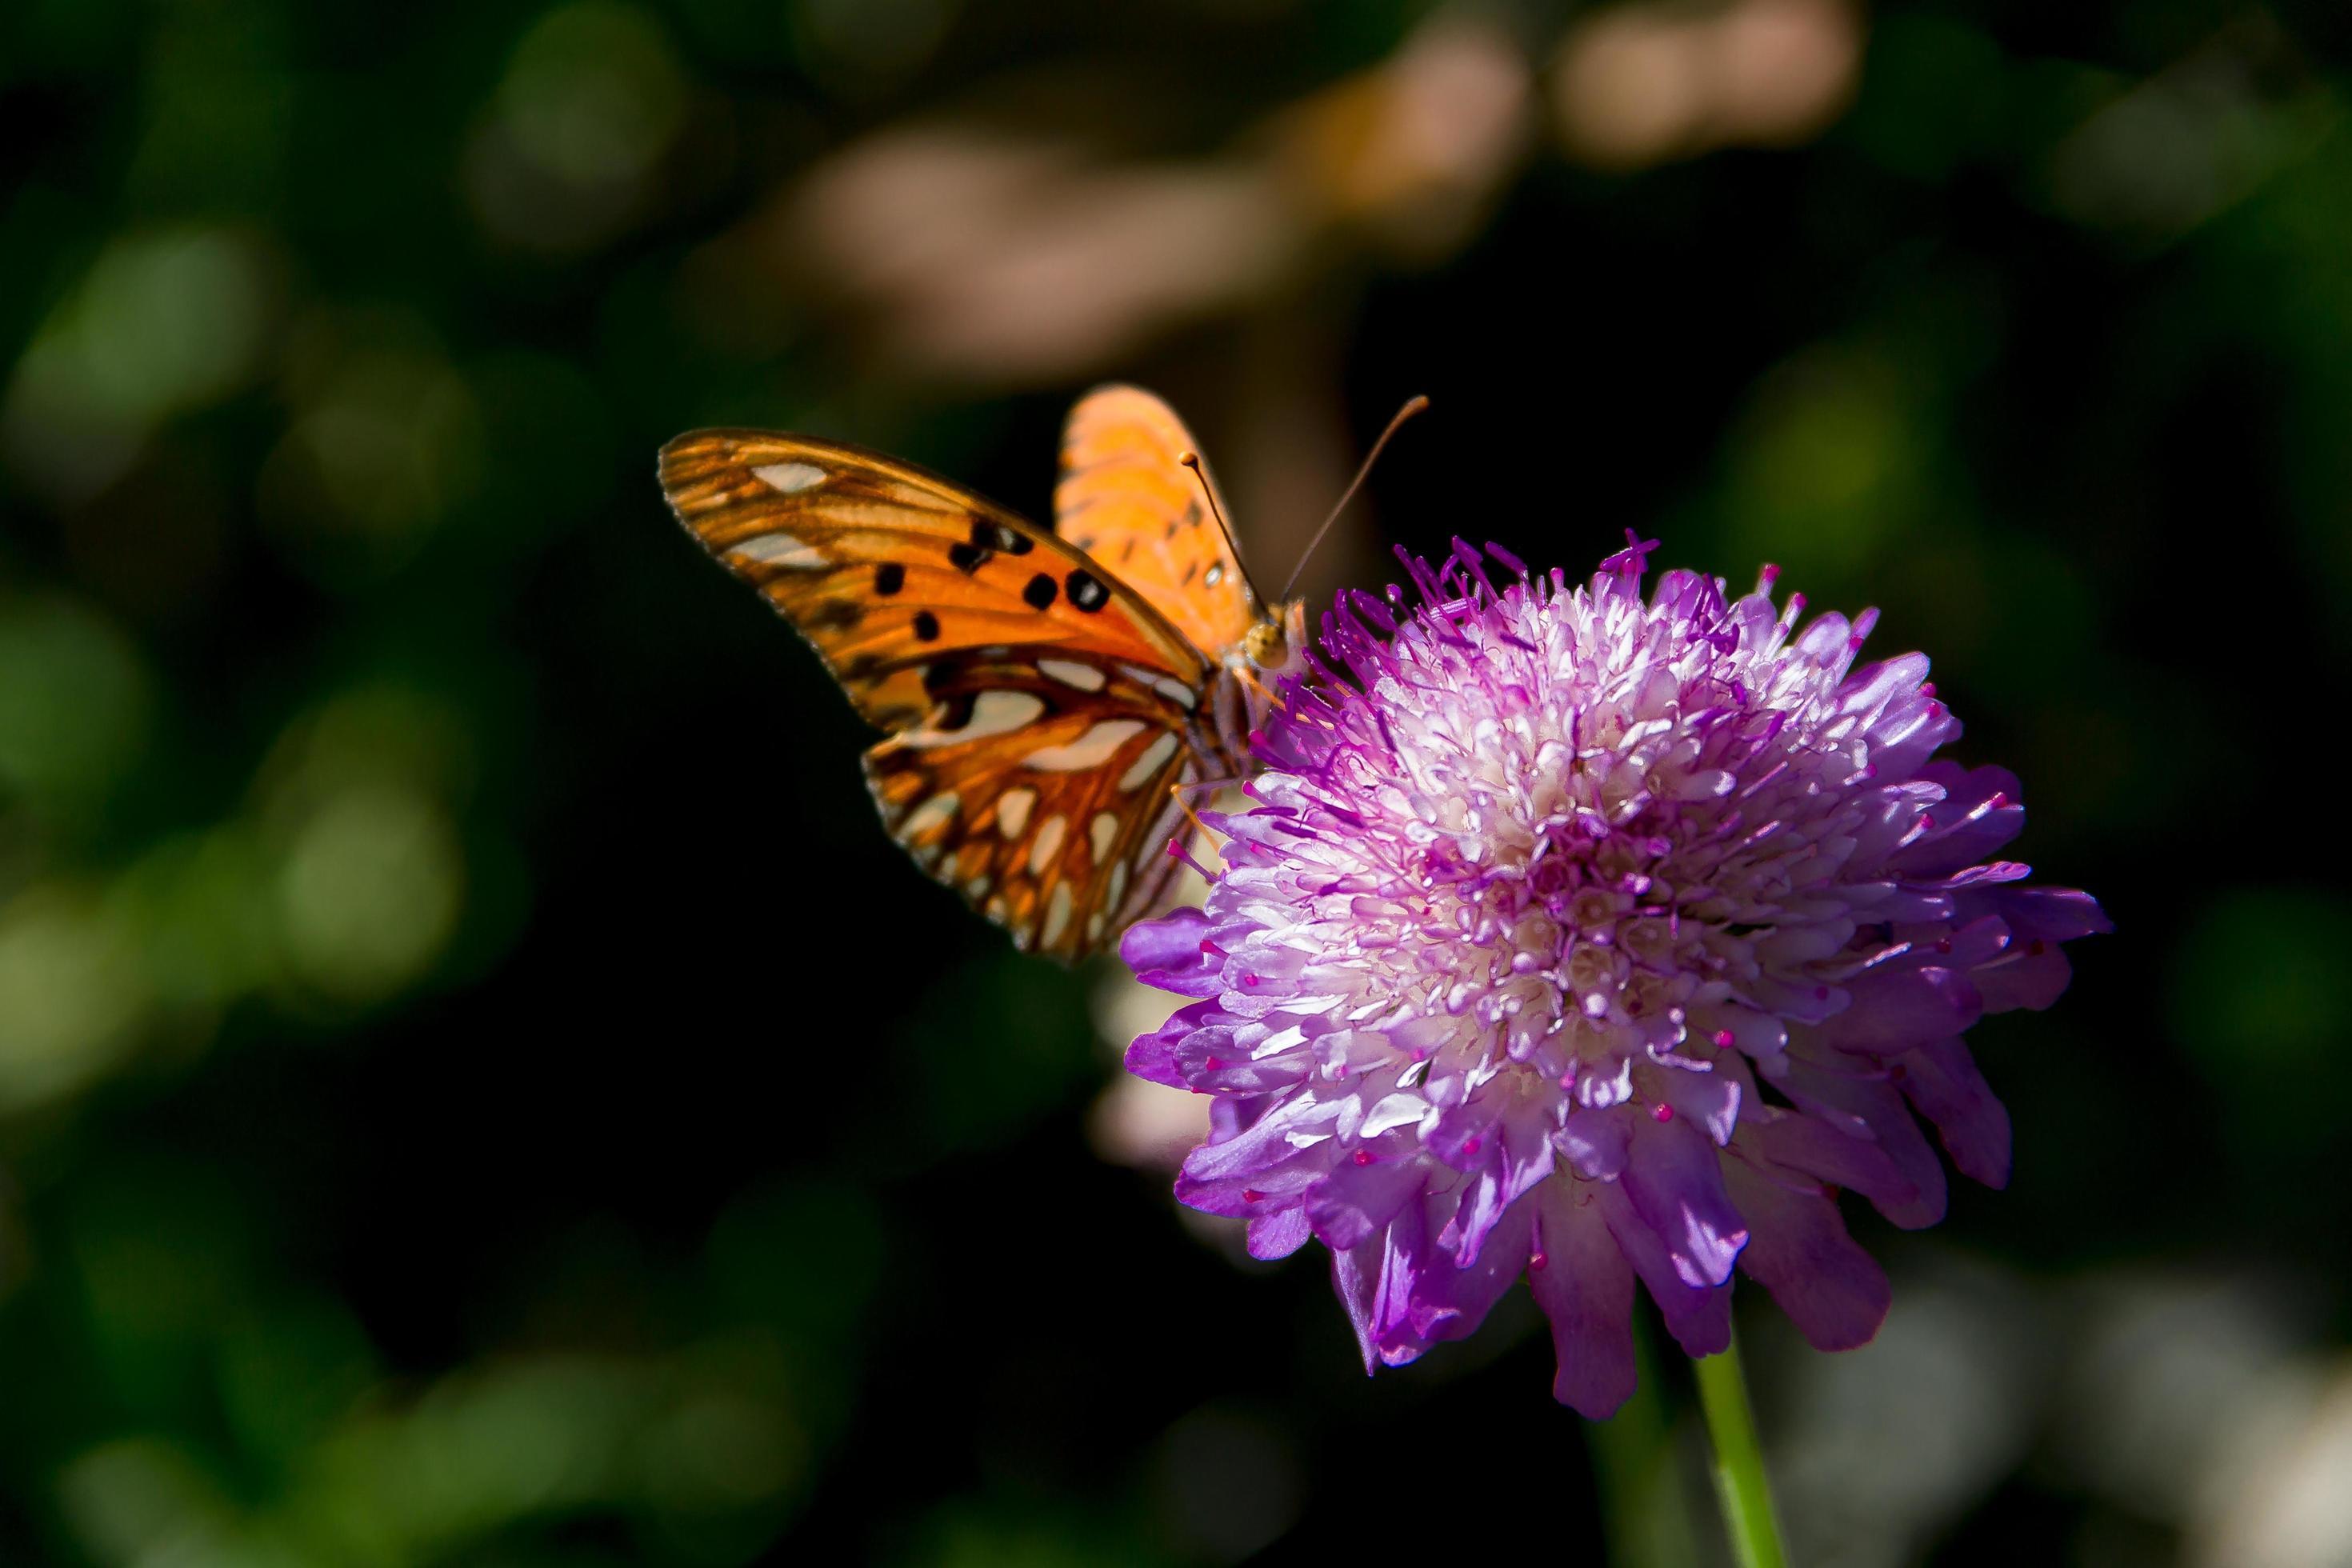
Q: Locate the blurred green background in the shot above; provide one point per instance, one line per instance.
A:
(477, 1086)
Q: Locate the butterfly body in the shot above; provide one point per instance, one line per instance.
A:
(1048, 694)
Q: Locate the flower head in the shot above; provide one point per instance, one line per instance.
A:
(1588, 938)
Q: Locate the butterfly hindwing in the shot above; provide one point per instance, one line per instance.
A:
(1125, 499)
(1038, 709)
(1039, 789)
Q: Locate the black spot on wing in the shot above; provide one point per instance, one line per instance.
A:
(889, 577)
(1039, 594)
(996, 536)
(1086, 590)
(927, 626)
(988, 539)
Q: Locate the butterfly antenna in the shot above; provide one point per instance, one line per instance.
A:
(1413, 406)
(1209, 492)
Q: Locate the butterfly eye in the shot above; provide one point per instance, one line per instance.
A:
(1267, 646)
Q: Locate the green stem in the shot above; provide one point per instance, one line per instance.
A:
(1643, 1513)
(1739, 1480)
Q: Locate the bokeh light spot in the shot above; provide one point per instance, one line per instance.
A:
(74, 703)
(161, 323)
(71, 993)
(370, 892)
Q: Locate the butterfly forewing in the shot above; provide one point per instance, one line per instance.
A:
(1039, 710)
(884, 567)
(1125, 499)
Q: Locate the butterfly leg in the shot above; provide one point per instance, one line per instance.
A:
(1176, 793)
(1202, 785)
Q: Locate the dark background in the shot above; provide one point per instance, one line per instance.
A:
(476, 1086)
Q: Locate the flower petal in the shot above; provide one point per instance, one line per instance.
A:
(1943, 1081)
(1969, 828)
(1707, 1100)
(1170, 942)
(2052, 914)
(2024, 978)
(1814, 1147)
(1160, 1056)
(1831, 1289)
(1452, 1298)
(1278, 1235)
(1585, 1287)
(1374, 1280)
(1594, 1143)
(1674, 1181)
(1355, 1200)
(1893, 1013)
(1880, 1112)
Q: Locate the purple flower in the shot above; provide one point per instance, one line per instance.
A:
(1590, 939)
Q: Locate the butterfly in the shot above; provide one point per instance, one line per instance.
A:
(1048, 696)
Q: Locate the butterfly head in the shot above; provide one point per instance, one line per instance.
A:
(1273, 644)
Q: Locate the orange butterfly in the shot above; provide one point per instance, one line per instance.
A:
(1048, 696)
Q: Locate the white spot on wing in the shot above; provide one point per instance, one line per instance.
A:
(992, 713)
(780, 550)
(1091, 750)
(1095, 926)
(1013, 811)
(1046, 844)
(933, 813)
(1101, 833)
(996, 712)
(791, 479)
(1176, 691)
(1070, 673)
(1057, 914)
(1117, 889)
(1155, 756)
